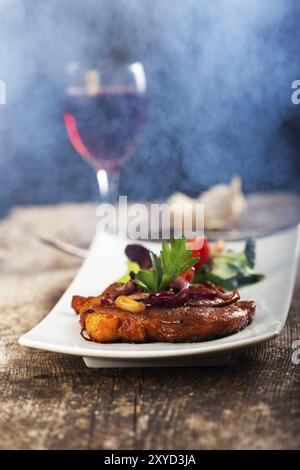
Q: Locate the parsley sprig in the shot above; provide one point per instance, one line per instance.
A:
(174, 259)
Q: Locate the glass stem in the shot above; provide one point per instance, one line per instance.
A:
(108, 185)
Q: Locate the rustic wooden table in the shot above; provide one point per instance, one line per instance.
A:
(52, 401)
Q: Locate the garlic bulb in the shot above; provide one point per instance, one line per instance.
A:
(223, 204)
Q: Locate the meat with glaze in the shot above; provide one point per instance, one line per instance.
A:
(203, 321)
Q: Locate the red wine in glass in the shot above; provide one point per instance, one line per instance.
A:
(103, 124)
(103, 127)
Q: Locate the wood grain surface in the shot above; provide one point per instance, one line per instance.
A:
(52, 401)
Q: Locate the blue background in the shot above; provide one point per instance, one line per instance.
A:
(219, 90)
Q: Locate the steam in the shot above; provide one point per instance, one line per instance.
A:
(218, 74)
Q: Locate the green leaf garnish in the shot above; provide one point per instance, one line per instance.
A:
(174, 259)
(250, 252)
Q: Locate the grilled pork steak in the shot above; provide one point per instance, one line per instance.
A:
(205, 321)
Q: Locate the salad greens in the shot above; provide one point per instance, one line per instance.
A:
(132, 267)
(230, 269)
(226, 269)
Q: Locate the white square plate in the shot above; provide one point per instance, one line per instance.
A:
(59, 331)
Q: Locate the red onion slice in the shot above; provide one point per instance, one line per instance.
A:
(139, 254)
(179, 283)
(191, 293)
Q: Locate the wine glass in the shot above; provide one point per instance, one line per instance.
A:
(103, 115)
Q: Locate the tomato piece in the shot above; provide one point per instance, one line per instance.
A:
(204, 253)
(188, 274)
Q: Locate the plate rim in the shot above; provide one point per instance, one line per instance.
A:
(151, 354)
